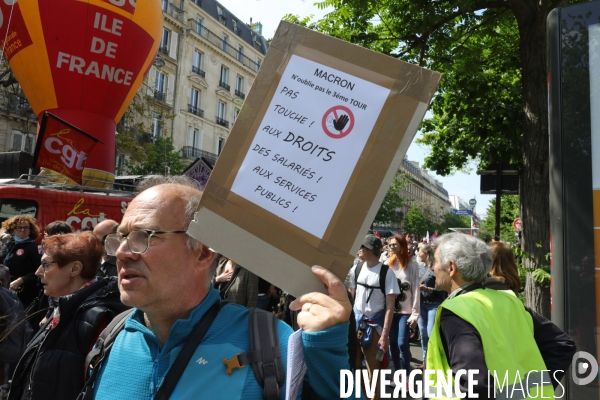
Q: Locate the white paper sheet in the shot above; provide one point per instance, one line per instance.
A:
(308, 143)
(296, 367)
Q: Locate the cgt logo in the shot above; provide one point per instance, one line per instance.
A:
(69, 155)
(584, 364)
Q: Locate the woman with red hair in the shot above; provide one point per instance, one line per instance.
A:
(406, 311)
(52, 366)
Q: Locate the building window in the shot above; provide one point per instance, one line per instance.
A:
(22, 142)
(222, 110)
(159, 81)
(221, 15)
(195, 98)
(225, 43)
(224, 78)
(199, 25)
(235, 26)
(258, 63)
(220, 144)
(164, 41)
(195, 139)
(156, 125)
(236, 113)
(165, 5)
(197, 64)
(224, 74)
(239, 87)
(197, 59)
(240, 54)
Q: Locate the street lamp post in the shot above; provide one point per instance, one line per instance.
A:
(472, 203)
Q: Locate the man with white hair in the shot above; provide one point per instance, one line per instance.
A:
(490, 331)
(165, 274)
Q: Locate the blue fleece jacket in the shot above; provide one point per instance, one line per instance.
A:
(138, 363)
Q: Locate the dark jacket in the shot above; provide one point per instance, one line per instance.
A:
(434, 297)
(22, 260)
(13, 323)
(108, 268)
(53, 362)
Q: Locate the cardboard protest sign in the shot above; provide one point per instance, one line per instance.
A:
(310, 158)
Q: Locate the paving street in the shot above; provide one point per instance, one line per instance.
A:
(417, 354)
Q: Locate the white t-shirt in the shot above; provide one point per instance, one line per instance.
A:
(411, 274)
(370, 276)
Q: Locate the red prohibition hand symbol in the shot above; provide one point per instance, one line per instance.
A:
(338, 122)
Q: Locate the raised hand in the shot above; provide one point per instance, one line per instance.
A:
(319, 311)
(341, 122)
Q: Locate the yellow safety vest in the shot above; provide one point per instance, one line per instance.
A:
(511, 353)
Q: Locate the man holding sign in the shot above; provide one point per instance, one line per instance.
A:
(166, 275)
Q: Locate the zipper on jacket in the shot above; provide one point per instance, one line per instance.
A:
(154, 385)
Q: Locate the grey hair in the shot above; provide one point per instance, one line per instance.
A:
(191, 198)
(430, 253)
(472, 256)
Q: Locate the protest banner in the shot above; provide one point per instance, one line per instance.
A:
(62, 148)
(310, 158)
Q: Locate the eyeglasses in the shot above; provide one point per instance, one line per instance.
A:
(22, 228)
(138, 240)
(47, 264)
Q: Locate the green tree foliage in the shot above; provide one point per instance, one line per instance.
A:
(160, 158)
(387, 211)
(454, 221)
(492, 102)
(509, 211)
(147, 153)
(415, 221)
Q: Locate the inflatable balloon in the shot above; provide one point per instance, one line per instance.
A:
(83, 61)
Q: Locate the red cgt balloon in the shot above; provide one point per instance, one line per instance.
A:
(82, 60)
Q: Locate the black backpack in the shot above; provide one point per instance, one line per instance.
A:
(264, 355)
(382, 274)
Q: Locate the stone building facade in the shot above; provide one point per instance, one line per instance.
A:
(423, 191)
(206, 63)
(18, 123)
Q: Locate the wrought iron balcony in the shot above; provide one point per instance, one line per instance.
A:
(192, 153)
(197, 2)
(195, 110)
(223, 122)
(224, 86)
(164, 50)
(198, 71)
(160, 96)
(173, 11)
(240, 94)
(217, 41)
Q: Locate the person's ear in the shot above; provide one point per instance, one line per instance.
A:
(206, 256)
(76, 268)
(452, 269)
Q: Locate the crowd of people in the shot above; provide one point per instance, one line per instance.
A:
(164, 290)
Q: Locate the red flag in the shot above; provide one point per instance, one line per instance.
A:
(377, 234)
(62, 148)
